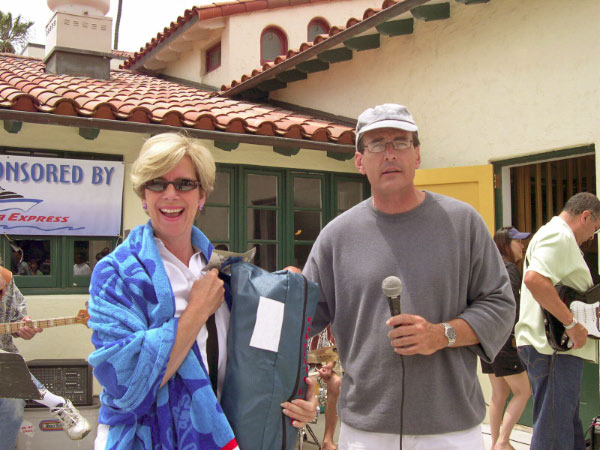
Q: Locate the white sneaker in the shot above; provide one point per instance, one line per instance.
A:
(74, 424)
(588, 316)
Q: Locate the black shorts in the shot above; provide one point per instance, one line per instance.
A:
(507, 362)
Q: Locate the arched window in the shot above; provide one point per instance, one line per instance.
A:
(316, 27)
(273, 43)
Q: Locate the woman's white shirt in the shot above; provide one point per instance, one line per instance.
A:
(182, 278)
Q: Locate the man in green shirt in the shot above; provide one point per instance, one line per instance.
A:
(553, 257)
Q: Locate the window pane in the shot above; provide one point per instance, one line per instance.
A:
(301, 253)
(262, 190)
(271, 46)
(266, 256)
(307, 225)
(214, 222)
(316, 28)
(262, 224)
(307, 192)
(221, 192)
(30, 257)
(87, 253)
(349, 194)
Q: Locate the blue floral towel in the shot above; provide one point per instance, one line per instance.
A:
(131, 313)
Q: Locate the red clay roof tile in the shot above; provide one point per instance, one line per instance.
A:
(145, 99)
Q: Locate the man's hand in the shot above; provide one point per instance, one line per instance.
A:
(292, 269)
(415, 335)
(27, 332)
(577, 335)
(303, 411)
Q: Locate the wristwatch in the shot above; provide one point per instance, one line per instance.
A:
(572, 324)
(450, 333)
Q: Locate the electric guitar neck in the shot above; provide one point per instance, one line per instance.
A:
(11, 328)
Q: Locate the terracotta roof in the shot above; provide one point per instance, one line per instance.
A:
(127, 96)
(122, 54)
(333, 31)
(212, 11)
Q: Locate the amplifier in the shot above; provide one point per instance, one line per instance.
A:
(69, 378)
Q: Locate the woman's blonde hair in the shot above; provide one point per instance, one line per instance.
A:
(161, 153)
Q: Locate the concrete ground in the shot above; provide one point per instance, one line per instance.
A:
(520, 437)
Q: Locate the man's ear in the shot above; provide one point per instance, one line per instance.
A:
(418, 150)
(358, 162)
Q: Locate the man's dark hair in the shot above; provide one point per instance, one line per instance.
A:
(583, 201)
(361, 148)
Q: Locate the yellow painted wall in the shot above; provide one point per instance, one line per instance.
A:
(473, 185)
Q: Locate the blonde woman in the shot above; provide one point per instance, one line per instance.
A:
(160, 322)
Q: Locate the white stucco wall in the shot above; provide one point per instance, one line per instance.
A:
(240, 39)
(496, 80)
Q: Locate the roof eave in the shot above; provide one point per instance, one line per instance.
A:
(329, 43)
(136, 127)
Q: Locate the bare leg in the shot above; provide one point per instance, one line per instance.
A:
(519, 385)
(333, 392)
(500, 391)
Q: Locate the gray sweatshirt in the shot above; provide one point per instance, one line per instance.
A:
(449, 267)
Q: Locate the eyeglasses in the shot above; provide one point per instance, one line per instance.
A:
(380, 146)
(597, 230)
(180, 184)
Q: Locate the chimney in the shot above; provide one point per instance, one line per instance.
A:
(78, 38)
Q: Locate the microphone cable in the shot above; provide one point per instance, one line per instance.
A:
(402, 399)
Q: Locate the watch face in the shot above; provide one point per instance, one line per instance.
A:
(450, 333)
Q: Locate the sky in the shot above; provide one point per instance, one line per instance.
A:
(140, 21)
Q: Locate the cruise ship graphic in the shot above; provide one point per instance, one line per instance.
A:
(12, 200)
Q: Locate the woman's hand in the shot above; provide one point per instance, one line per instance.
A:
(303, 411)
(207, 294)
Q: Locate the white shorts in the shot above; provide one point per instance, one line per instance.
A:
(353, 439)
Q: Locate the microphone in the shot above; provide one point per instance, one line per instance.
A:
(392, 288)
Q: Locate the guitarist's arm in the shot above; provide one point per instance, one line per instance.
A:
(545, 294)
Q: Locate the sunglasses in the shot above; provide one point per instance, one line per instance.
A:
(180, 184)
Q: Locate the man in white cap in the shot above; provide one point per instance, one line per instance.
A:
(412, 376)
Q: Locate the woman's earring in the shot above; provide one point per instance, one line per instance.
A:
(199, 207)
(144, 206)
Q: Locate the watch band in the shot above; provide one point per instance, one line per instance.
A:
(450, 333)
(572, 324)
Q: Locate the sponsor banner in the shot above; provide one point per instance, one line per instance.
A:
(58, 196)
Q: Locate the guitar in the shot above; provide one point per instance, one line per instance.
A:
(11, 328)
(585, 307)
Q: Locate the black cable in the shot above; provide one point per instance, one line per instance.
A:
(402, 400)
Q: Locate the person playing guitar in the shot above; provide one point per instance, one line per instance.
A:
(554, 257)
(13, 311)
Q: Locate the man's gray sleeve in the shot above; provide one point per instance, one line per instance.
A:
(491, 307)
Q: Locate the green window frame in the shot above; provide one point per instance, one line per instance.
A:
(61, 279)
(284, 212)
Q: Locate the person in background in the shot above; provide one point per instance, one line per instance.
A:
(33, 268)
(506, 372)
(81, 267)
(159, 320)
(13, 309)
(554, 256)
